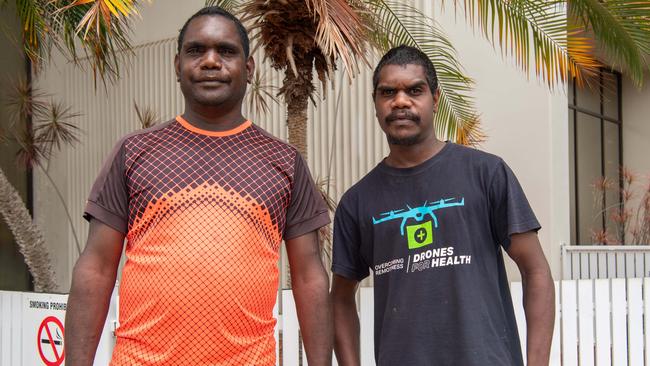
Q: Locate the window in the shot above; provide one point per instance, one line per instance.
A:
(596, 153)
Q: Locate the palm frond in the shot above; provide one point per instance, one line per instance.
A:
(398, 23)
(36, 37)
(341, 32)
(560, 48)
(147, 116)
(259, 92)
(231, 6)
(54, 128)
(622, 29)
(23, 101)
(29, 152)
(50, 121)
(103, 29)
(470, 133)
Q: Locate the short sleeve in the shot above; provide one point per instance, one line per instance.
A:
(346, 255)
(108, 199)
(510, 212)
(307, 210)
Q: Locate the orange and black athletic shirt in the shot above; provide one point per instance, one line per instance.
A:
(204, 214)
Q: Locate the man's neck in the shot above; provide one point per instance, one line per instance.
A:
(410, 156)
(212, 118)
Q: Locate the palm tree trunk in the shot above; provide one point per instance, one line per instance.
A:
(297, 91)
(28, 237)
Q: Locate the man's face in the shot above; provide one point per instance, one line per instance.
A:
(404, 104)
(211, 65)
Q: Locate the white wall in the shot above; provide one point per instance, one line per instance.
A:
(636, 131)
(525, 124)
(636, 125)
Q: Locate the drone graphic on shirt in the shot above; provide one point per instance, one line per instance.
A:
(421, 234)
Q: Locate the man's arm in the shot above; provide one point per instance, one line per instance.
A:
(310, 285)
(539, 295)
(346, 321)
(93, 279)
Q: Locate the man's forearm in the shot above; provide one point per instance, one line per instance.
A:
(315, 318)
(346, 329)
(86, 313)
(539, 305)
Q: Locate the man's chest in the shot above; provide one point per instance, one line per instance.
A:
(235, 180)
(424, 226)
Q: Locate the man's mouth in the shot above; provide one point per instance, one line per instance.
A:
(402, 116)
(212, 81)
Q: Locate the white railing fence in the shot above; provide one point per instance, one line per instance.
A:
(598, 322)
(605, 261)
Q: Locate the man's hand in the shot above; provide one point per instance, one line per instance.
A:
(539, 295)
(310, 285)
(346, 321)
(93, 279)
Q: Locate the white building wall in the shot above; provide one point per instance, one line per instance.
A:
(636, 126)
(525, 124)
(636, 133)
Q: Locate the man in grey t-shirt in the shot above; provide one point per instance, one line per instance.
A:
(430, 221)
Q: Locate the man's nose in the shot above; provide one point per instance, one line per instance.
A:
(401, 100)
(211, 60)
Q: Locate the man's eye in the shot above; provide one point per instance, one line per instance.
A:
(416, 91)
(193, 50)
(387, 92)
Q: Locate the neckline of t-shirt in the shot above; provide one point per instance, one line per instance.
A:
(418, 168)
(244, 125)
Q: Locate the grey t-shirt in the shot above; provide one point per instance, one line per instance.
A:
(432, 234)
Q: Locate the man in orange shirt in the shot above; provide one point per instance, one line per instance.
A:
(204, 202)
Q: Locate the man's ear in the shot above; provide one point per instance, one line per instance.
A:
(436, 99)
(177, 67)
(250, 69)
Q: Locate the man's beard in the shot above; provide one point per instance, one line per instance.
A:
(403, 141)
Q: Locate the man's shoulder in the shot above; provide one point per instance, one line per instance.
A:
(133, 139)
(366, 184)
(273, 143)
(145, 133)
(473, 157)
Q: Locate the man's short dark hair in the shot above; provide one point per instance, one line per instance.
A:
(407, 55)
(217, 11)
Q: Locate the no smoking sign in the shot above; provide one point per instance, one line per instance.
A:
(50, 341)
